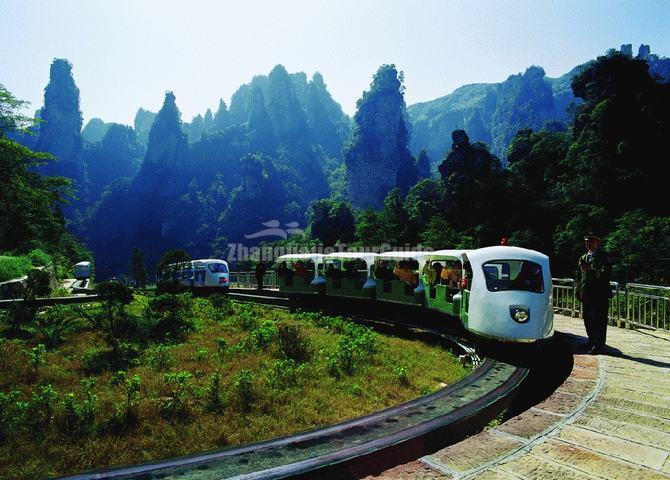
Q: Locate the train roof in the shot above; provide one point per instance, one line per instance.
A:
(315, 257)
(210, 260)
(482, 255)
(365, 256)
(416, 255)
(437, 254)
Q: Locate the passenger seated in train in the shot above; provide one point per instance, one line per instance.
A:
(437, 266)
(335, 274)
(384, 273)
(404, 273)
(300, 270)
(529, 278)
(350, 271)
(428, 272)
(287, 273)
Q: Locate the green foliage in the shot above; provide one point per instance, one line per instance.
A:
(331, 222)
(222, 303)
(285, 373)
(36, 359)
(243, 388)
(264, 335)
(7, 414)
(641, 244)
(179, 390)
(159, 357)
(170, 315)
(43, 404)
(13, 267)
(79, 416)
(55, 323)
(138, 269)
(126, 411)
(356, 346)
(221, 348)
(213, 392)
(402, 375)
(293, 343)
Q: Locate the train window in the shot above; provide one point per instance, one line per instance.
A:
(217, 268)
(503, 275)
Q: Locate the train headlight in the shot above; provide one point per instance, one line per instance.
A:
(519, 314)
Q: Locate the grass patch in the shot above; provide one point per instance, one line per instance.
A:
(242, 373)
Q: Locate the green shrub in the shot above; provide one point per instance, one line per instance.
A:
(179, 387)
(159, 357)
(201, 354)
(213, 392)
(36, 359)
(345, 355)
(401, 375)
(285, 373)
(7, 413)
(125, 412)
(221, 348)
(43, 404)
(54, 323)
(247, 317)
(222, 303)
(39, 258)
(13, 267)
(293, 344)
(96, 360)
(243, 387)
(60, 292)
(263, 336)
(79, 417)
(171, 314)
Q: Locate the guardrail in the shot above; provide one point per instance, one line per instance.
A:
(633, 304)
(248, 280)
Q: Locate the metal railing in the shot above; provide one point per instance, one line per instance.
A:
(248, 280)
(633, 304)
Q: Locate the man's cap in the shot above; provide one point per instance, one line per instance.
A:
(591, 237)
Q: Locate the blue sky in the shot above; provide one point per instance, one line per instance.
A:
(126, 53)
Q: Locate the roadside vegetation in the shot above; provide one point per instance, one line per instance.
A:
(145, 376)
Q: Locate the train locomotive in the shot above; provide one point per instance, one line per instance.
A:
(501, 293)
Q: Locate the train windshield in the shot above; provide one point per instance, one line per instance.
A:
(217, 268)
(513, 275)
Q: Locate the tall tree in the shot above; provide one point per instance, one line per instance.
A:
(138, 269)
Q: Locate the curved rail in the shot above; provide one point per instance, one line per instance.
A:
(355, 447)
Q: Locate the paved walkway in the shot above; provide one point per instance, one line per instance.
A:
(610, 419)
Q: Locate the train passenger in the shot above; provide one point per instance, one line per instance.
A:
(404, 273)
(287, 273)
(300, 270)
(437, 266)
(350, 271)
(529, 278)
(428, 272)
(332, 272)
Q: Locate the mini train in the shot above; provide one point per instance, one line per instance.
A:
(200, 274)
(501, 293)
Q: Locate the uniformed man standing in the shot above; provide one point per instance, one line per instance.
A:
(594, 291)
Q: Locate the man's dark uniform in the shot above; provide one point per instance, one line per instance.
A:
(594, 291)
(260, 273)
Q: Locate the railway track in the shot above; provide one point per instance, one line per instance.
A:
(363, 445)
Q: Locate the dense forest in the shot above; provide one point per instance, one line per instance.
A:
(541, 161)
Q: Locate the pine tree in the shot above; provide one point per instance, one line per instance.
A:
(138, 270)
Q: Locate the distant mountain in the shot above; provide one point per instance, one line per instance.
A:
(493, 112)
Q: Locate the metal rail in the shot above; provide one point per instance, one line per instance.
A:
(633, 304)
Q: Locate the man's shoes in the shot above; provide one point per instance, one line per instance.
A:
(595, 350)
